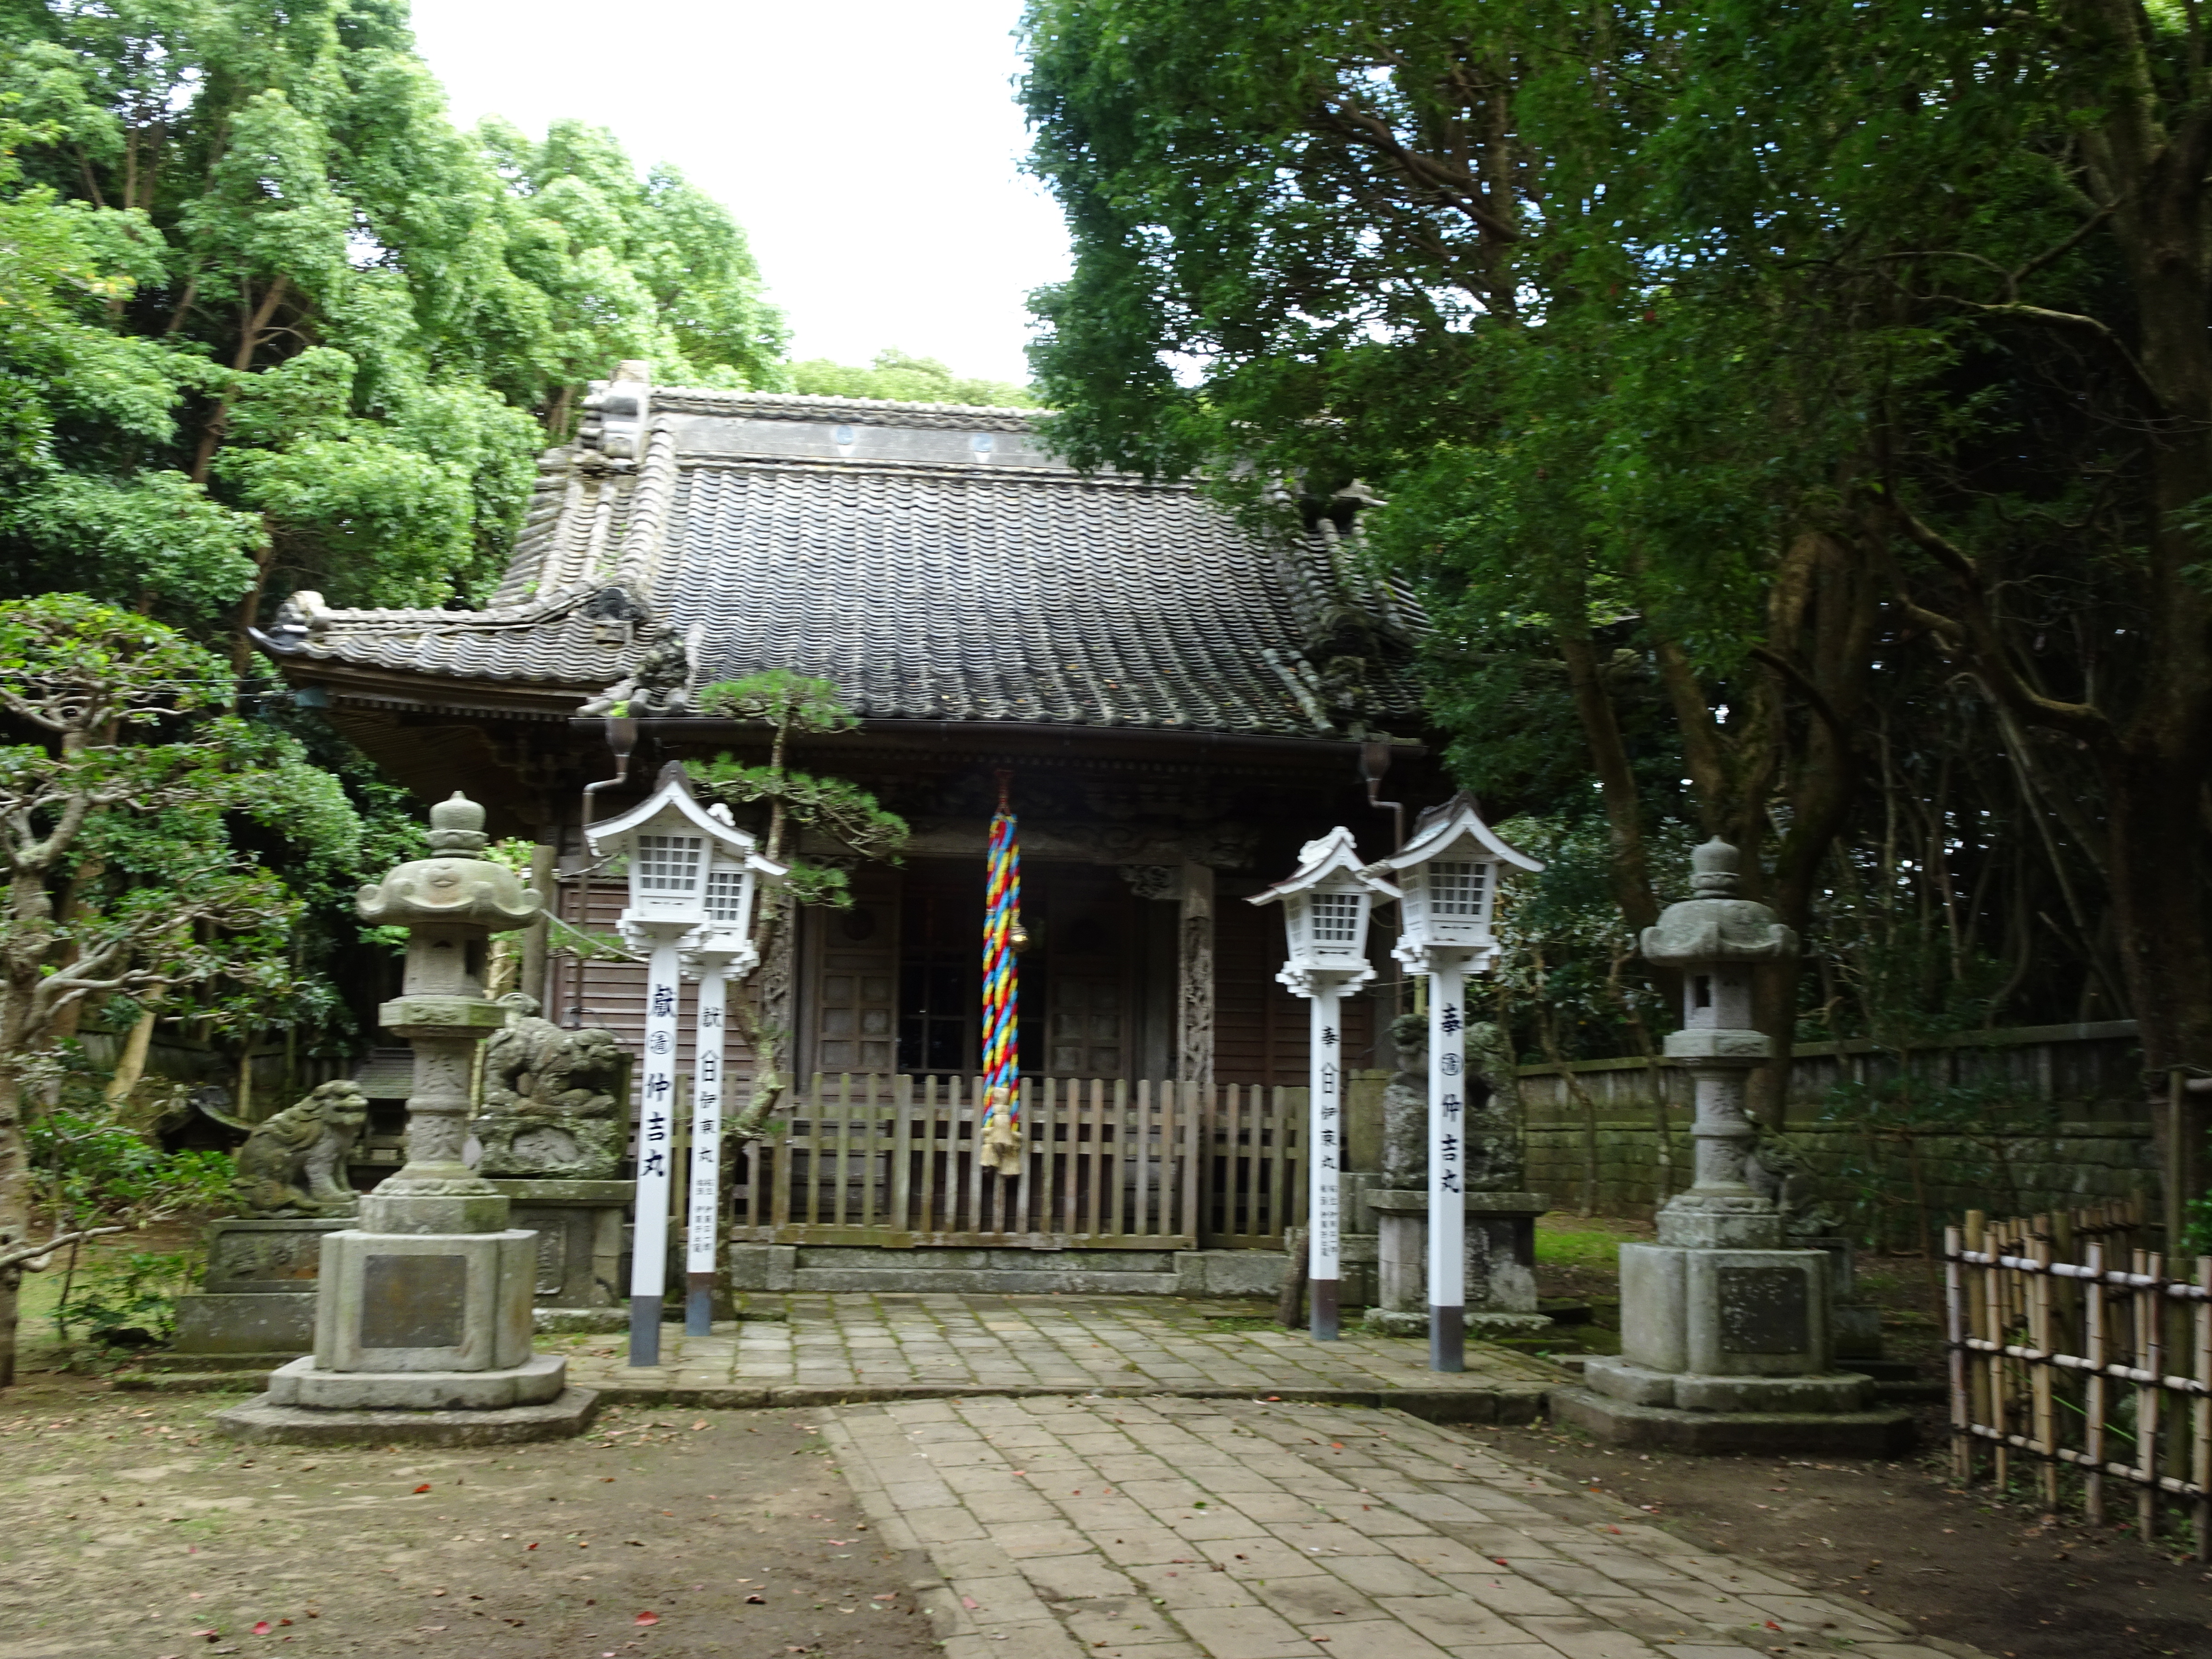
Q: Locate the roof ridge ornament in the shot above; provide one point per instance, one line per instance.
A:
(616, 411)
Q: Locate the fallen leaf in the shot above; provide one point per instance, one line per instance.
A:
(425, 1486)
(647, 1619)
(700, 1424)
(757, 1601)
(967, 1602)
(262, 1627)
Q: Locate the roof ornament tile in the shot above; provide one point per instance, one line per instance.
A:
(300, 616)
(614, 413)
(660, 684)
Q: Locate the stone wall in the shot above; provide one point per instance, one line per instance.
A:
(2015, 1121)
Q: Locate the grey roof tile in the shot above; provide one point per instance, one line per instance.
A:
(936, 562)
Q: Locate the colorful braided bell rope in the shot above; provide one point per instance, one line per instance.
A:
(1002, 1066)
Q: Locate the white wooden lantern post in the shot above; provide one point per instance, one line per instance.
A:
(721, 950)
(671, 842)
(1326, 903)
(1447, 877)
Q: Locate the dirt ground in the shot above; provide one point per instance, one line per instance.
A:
(1964, 1564)
(128, 1531)
(1958, 1563)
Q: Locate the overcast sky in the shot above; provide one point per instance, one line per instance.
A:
(869, 148)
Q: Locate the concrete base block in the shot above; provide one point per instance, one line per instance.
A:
(283, 1322)
(260, 1422)
(535, 1383)
(1843, 1434)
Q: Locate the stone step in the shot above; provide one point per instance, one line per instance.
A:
(232, 1381)
(1076, 1281)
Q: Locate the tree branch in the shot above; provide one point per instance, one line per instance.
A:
(24, 1256)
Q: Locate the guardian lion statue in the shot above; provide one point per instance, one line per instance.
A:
(294, 1163)
(549, 1098)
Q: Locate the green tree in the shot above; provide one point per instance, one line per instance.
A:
(127, 807)
(293, 329)
(904, 378)
(1826, 360)
(802, 806)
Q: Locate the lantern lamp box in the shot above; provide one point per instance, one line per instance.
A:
(690, 867)
(1328, 901)
(1448, 877)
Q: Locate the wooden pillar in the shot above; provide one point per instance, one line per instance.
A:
(1194, 978)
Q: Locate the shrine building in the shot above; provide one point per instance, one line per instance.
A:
(1175, 702)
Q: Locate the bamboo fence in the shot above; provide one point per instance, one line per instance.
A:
(2089, 1355)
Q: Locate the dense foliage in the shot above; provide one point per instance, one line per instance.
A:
(159, 851)
(268, 320)
(904, 377)
(1813, 404)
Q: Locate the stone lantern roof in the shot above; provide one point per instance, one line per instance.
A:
(1716, 927)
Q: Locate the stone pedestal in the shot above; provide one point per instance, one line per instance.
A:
(581, 1227)
(259, 1303)
(422, 1310)
(1501, 1262)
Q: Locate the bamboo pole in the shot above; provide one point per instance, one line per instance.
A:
(2040, 1376)
(2095, 1394)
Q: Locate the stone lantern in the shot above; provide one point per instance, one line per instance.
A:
(1726, 1340)
(422, 1315)
(1448, 875)
(1327, 904)
(693, 876)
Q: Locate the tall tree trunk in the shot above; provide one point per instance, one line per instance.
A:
(1631, 863)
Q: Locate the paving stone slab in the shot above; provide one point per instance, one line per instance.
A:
(1371, 1535)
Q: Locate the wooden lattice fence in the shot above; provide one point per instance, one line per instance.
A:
(891, 1161)
(2087, 1355)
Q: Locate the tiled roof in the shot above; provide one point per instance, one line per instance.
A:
(935, 561)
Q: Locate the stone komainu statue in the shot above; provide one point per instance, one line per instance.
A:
(550, 1099)
(294, 1163)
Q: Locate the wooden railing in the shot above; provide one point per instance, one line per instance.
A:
(892, 1161)
(2089, 1357)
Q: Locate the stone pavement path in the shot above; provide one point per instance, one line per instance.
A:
(1168, 1528)
(827, 1342)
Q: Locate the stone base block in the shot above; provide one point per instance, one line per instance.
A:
(1489, 1325)
(425, 1303)
(249, 1256)
(260, 1422)
(535, 1383)
(575, 1320)
(1618, 1379)
(981, 1270)
(282, 1323)
(1858, 1328)
(762, 1267)
(1229, 1272)
(1394, 1321)
(1841, 1434)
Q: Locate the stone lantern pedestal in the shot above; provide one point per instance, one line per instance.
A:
(423, 1311)
(1726, 1342)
